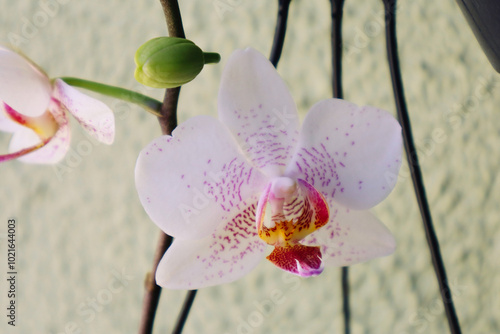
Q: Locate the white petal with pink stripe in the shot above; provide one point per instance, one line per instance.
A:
(255, 104)
(194, 180)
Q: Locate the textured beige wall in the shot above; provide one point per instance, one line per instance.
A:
(76, 230)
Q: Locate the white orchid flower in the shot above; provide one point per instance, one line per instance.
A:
(226, 189)
(33, 108)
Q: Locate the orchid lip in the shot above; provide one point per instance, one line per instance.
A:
(297, 210)
(310, 271)
(298, 259)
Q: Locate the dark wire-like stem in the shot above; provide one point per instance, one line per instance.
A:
(168, 122)
(181, 320)
(337, 13)
(346, 308)
(280, 32)
(418, 183)
(337, 91)
(153, 291)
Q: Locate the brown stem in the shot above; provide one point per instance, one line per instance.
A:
(153, 291)
(168, 121)
(173, 17)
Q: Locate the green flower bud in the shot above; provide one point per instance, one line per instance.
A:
(167, 62)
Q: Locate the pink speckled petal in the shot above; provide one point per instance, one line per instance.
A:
(226, 255)
(192, 181)
(22, 85)
(256, 105)
(95, 117)
(349, 153)
(54, 150)
(351, 237)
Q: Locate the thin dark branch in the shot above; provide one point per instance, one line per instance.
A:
(418, 183)
(181, 320)
(336, 12)
(336, 44)
(175, 29)
(168, 122)
(153, 291)
(280, 32)
(346, 309)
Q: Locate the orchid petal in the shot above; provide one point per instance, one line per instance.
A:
(256, 105)
(23, 86)
(349, 153)
(226, 255)
(191, 181)
(94, 116)
(53, 149)
(351, 237)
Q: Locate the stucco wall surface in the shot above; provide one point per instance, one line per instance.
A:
(80, 228)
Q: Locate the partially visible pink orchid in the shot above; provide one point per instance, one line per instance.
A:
(226, 189)
(33, 108)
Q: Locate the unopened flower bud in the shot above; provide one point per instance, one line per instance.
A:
(167, 62)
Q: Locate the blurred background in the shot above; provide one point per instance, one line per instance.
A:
(81, 228)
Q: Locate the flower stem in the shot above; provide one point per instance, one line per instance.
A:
(153, 291)
(151, 105)
(181, 320)
(168, 122)
(279, 33)
(416, 173)
(336, 44)
(173, 18)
